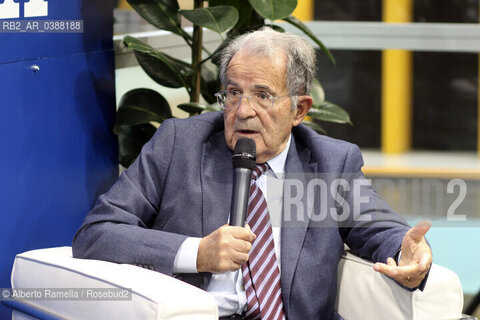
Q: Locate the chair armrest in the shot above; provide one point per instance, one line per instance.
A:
(366, 294)
(154, 295)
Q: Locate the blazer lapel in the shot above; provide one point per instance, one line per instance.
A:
(293, 232)
(217, 180)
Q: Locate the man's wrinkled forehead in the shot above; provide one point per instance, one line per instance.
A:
(247, 53)
(259, 71)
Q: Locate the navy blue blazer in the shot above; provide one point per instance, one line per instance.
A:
(180, 186)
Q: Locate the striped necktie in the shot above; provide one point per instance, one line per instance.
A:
(261, 274)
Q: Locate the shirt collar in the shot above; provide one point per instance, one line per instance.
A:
(277, 163)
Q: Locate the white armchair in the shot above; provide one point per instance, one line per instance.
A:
(362, 294)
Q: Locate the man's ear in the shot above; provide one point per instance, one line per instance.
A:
(303, 106)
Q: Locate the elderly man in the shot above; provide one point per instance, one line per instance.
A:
(169, 211)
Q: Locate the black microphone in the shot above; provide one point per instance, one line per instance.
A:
(243, 160)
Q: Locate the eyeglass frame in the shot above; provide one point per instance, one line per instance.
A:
(225, 91)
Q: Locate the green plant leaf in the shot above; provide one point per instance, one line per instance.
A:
(317, 93)
(162, 68)
(329, 112)
(314, 126)
(141, 106)
(213, 107)
(192, 107)
(274, 9)
(244, 12)
(300, 25)
(253, 21)
(163, 14)
(137, 45)
(131, 140)
(210, 82)
(219, 19)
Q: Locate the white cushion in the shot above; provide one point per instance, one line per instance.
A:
(154, 295)
(366, 294)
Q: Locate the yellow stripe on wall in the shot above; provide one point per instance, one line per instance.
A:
(396, 85)
(397, 11)
(304, 10)
(396, 101)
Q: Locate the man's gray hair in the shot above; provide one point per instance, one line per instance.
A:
(268, 42)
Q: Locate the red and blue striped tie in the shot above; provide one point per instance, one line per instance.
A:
(261, 274)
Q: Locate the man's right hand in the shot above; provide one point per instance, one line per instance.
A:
(225, 249)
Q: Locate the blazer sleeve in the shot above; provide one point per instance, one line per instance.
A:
(372, 230)
(117, 228)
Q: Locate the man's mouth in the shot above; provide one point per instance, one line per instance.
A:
(247, 132)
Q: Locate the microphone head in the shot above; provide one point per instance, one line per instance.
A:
(244, 155)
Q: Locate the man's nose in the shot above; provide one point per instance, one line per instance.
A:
(245, 108)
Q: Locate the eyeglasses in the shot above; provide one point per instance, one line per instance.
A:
(232, 98)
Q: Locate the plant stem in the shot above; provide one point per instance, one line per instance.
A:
(196, 57)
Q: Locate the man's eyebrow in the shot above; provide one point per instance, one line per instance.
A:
(263, 87)
(232, 83)
(256, 86)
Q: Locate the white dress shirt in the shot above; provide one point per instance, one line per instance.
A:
(227, 288)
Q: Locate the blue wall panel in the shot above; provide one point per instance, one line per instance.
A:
(57, 148)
